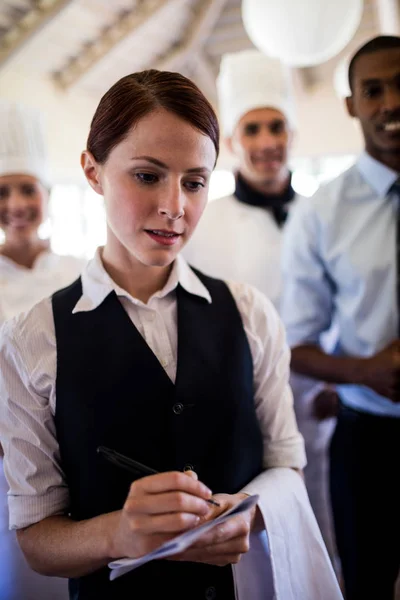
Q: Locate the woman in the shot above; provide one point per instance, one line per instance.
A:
(29, 271)
(163, 364)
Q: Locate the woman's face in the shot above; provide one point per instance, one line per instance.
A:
(22, 204)
(155, 186)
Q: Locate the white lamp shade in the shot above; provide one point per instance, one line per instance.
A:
(301, 33)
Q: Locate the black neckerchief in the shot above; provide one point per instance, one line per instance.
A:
(277, 204)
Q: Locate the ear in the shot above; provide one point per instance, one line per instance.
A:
(92, 171)
(350, 106)
(291, 137)
(228, 144)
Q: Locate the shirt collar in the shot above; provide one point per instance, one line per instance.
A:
(378, 176)
(97, 284)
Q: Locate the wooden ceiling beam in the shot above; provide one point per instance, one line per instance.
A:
(208, 14)
(28, 25)
(125, 25)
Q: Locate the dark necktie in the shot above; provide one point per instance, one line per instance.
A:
(396, 190)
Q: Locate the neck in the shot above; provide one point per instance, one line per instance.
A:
(140, 281)
(389, 159)
(26, 253)
(275, 186)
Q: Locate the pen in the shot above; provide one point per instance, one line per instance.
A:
(133, 466)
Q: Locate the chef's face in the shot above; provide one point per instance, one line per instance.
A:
(375, 101)
(22, 203)
(261, 142)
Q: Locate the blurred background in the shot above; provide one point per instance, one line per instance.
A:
(62, 55)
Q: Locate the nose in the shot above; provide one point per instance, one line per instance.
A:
(16, 200)
(391, 98)
(172, 202)
(266, 140)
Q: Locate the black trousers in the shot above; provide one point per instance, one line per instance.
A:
(364, 480)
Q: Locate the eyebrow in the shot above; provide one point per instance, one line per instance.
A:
(158, 163)
(377, 80)
(265, 122)
(371, 81)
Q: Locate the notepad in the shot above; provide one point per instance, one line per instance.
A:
(181, 542)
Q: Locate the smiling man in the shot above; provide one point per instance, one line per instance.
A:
(239, 236)
(341, 264)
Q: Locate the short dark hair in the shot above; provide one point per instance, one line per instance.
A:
(135, 96)
(381, 42)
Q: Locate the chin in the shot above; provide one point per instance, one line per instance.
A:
(161, 261)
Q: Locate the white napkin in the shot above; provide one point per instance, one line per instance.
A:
(290, 548)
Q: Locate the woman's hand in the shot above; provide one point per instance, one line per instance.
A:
(157, 508)
(224, 544)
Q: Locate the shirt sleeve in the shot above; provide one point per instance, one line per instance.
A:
(307, 299)
(37, 487)
(283, 444)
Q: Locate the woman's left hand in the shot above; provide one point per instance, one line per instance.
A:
(224, 544)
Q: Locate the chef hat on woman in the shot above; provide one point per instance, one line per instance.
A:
(22, 142)
(249, 80)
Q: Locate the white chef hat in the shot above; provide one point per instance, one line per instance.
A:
(22, 141)
(249, 80)
(341, 77)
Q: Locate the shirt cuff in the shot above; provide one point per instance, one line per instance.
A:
(290, 454)
(27, 510)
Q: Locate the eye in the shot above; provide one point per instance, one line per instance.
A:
(194, 186)
(4, 192)
(372, 91)
(277, 127)
(147, 178)
(27, 189)
(251, 129)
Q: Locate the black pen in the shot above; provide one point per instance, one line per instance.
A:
(133, 466)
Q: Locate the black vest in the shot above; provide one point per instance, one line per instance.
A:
(111, 390)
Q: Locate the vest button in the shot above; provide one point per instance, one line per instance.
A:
(211, 593)
(178, 408)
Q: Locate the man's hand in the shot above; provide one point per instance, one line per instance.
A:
(382, 372)
(325, 404)
(224, 544)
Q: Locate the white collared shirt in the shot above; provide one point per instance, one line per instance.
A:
(28, 382)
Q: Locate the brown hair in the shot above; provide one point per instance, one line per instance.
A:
(136, 95)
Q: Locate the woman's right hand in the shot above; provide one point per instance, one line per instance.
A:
(157, 508)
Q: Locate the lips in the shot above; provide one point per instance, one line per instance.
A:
(392, 127)
(163, 233)
(19, 220)
(163, 237)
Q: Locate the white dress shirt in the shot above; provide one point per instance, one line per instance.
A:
(28, 382)
(289, 555)
(21, 288)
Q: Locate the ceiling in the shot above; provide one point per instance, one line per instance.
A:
(89, 44)
(76, 49)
